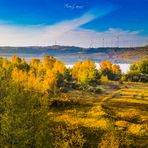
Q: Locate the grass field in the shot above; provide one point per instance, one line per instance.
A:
(116, 117)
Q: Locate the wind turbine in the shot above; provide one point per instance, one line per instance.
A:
(117, 41)
(103, 42)
(91, 44)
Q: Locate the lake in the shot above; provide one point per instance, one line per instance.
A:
(69, 60)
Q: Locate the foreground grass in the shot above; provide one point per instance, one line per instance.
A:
(116, 117)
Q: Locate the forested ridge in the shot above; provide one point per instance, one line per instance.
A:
(122, 55)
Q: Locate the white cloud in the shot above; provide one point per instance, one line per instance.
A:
(68, 33)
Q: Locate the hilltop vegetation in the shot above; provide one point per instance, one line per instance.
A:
(45, 104)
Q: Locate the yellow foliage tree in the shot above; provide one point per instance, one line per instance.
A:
(112, 71)
(84, 72)
(35, 63)
(76, 68)
(116, 69)
(59, 67)
(23, 61)
(49, 81)
(16, 60)
(18, 75)
(106, 65)
(48, 62)
(5, 63)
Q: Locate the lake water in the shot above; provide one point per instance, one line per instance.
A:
(124, 67)
(69, 60)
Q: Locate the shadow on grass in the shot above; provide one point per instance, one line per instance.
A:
(139, 106)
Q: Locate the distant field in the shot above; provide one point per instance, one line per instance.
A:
(118, 115)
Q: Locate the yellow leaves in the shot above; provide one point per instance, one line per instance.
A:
(116, 69)
(104, 78)
(86, 122)
(76, 68)
(5, 63)
(23, 62)
(34, 83)
(16, 60)
(94, 118)
(34, 63)
(49, 80)
(110, 140)
(84, 72)
(39, 83)
(28, 80)
(129, 115)
(106, 65)
(96, 111)
(18, 75)
(139, 130)
(48, 62)
(40, 77)
(59, 67)
(122, 123)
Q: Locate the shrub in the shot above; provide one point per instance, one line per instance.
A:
(110, 140)
(138, 72)
(66, 136)
(136, 77)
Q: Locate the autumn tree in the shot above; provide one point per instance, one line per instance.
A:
(49, 81)
(24, 117)
(16, 60)
(35, 62)
(48, 62)
(85, 72)
(138, 72)
(6, 68)
(112, 71)
(19, 75)
(59, 67)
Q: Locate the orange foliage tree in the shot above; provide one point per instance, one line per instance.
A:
(112, 71)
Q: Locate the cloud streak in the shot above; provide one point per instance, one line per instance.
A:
(69, 32)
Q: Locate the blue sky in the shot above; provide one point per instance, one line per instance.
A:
(73, 22)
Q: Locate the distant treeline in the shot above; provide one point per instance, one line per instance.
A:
(127, 55)
(47, 49)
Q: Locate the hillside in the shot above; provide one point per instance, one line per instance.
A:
(122, 55)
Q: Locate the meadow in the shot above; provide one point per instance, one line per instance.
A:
(45, 104)
(118, 117)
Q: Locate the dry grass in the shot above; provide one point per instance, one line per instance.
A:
(123, 110)
(79, 121)
(122, 123)
(138, 130)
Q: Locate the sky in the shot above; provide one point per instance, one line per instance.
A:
(83, 23)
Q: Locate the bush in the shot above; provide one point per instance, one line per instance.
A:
(94, 89)
(66, 136)
(138, 72)
(136, 77)
(63, 102)
(110, 140)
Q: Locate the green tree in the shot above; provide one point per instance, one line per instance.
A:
(138, 72)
